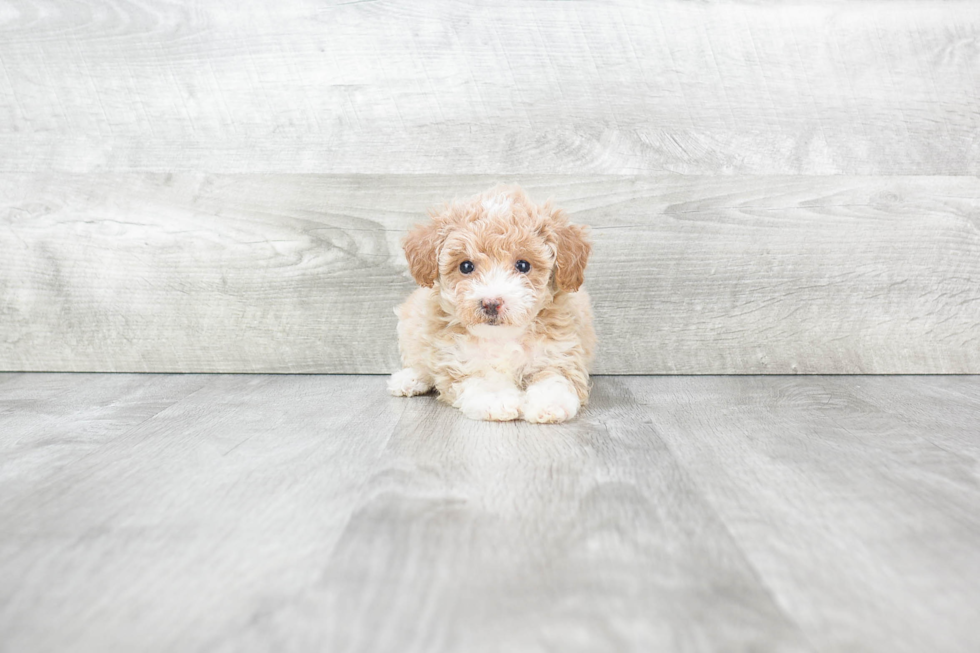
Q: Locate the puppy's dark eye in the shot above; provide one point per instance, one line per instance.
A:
(466, 267)
(523, 266)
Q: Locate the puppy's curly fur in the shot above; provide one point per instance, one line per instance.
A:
(501, 326)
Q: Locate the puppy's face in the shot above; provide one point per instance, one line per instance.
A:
(495, 272)
(498, 259)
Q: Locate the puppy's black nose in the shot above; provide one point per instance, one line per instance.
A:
(491, 306)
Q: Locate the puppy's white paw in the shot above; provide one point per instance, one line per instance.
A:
(493, 402)
(408, 383)
(494, 407)
(550, 400)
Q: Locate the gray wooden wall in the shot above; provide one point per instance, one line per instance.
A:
(222, 186)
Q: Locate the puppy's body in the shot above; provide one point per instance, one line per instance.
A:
(511, 336)
(442, 353)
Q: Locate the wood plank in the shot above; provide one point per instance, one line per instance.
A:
(955, 431)
(49, 421)
(192, 525)
(9, 376)
(677, 513)
(513, 87)
(299, 273)
(487, 537)
(862, 522)
(299, 512)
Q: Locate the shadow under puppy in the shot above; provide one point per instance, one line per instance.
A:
(501, 326)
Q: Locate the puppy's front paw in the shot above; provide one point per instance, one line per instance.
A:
(550, 400)
(408, 383)
(499, 405)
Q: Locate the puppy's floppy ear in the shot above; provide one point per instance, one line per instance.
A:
(422, 251)
(572, 250)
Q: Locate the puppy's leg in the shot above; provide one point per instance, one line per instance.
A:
(409, 382)
(494, 400)
(414, 342)
(550, 399)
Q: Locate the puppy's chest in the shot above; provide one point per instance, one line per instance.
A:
(509, 356)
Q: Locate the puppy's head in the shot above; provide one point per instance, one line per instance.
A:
(498, 259)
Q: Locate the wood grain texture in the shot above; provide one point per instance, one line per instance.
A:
(863, 490)
(297, 513)
(299, 273)
(515, 87)
(50, 422)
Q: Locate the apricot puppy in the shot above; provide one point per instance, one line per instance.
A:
(501, 326)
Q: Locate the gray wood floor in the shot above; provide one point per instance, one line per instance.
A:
(298, 513)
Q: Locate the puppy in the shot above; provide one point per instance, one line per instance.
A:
(501, 326)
